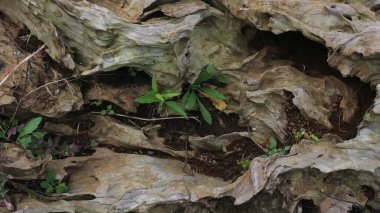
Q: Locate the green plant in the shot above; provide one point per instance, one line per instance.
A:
(313, 138)
(132, 72)
(244, 164)
(272, 148)
(191, 96)
(96, 103)
(299, 135)
(108, 110)
(28, 132)
(162, 98)
(51, 184)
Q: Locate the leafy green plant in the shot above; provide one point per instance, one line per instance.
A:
(313, 138)
(299, 135)
(244, 164)
(29, 131)
(272, 148)
(191, 96)
(132, 72)
(51, 184)
(108, 110)
(164, 99)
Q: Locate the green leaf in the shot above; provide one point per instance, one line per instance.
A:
(205, 113)
(168, 94)
(25, 141)
(109, 107)
(264, 156)
(111, 112)
(192, 99)
(185, 98)
(2, 135)
(61, 188)
(96, 103)
(30, 127)
(313, 138)
(49, 189)
(159, 97)
(287, 148)
(210, 69)
(205, 74)
(148, 98)
(39, 134)
(222, 78)
(103, 112)
(154, 84)
(272, 143)
(174, 107)
(44, 184)
(50, 177)
(213, 93)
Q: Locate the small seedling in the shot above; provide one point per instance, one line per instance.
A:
(244, 164)
(198, 88)
(132, 72)
(108, 110)
(96, 103)
(313, 138)
(51, 184)
(272, 148)
(28, 132)
(162, 98)
(299, 135)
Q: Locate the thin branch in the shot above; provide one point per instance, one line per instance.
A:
(150, 119)
(19, 64)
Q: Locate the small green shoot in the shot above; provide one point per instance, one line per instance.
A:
(313, 138)
(132, 72)
(164, 99)
(96, 103)
(244, 164)
(272, 148)
(199, 87)
(29, 131)
(108, 110)
(51, 184)
(299, 135)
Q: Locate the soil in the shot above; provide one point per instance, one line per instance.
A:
(224, 163)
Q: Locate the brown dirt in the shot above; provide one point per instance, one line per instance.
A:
(176, 134)
(224, 164)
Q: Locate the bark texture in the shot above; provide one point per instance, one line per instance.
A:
(88, 37)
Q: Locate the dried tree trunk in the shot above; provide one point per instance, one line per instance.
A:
(96, 36)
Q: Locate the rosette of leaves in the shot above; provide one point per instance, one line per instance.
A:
(200, 88)
(272, 148)
(29, 132)
(162, 98)
(52, 185)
